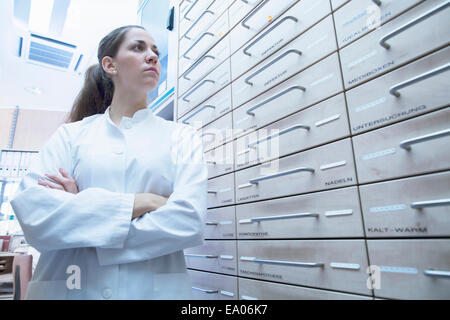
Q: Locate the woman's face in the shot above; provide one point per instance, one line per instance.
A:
(136, 63)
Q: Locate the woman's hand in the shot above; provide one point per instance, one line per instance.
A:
(64, 183)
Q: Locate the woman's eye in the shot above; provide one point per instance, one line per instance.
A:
(138, 46)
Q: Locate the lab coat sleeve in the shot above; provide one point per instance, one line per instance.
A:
(179, 223)
(54, 219)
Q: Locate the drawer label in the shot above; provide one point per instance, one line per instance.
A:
(387, 119)
(371, 73)
(394, 207)
(338, 181)
(254, 234)
(411, 229)
(261, 274)
(275, 78)
(378, 154)
(272, 47)
(254, 196)
(366, 27)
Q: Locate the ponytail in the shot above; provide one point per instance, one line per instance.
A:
(98, 89)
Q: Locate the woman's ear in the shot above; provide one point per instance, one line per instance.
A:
(109, 66)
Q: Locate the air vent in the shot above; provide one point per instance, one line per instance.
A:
(52, 53)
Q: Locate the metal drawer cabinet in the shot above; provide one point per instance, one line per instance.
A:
(262, 290)
(336, 4)
(204, 65)
(210, 286)
(396, 42)
(285, 63)
(357, 18)
(293, 22)
(325, 264)
(322, 123)
(312, 85)
(220, 223)
(220, 160)
(214, 255)
(411, 147)
(209, 110)
(414, 89)
(212, 83)
(264, 14)
(327, 167)
(201, 13)
(418, 206)
(192, 50)
(410, 269)
(239, 9)
(221, 191)
(327, 214)
(217, 133)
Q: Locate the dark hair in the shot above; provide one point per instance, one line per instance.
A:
(98, 89)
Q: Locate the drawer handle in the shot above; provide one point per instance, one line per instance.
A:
(249, 111)
(195, 65)
(271, 63)
(189, 10)
(211, 162)
(377, 2)
(205, 290)
(206, 256)
(412, 23)
(248, 297)
(253, 13)
(282, 217)
(407, 83)
(196, 21)
(245, 51)
(195, 43)
(197, 112)
(437, 273)
(431, 203)
(284, 263)
(196, 88)
(407, 143)
(280, 174)
(297, 126)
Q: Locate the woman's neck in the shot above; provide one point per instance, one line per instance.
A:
(125, 105)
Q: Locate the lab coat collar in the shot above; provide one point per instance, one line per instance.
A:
(138, 116)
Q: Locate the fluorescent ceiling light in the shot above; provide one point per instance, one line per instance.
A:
(40, 15)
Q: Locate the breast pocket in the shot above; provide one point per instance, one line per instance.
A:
(47, 290)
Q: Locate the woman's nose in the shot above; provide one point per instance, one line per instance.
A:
(151, 57)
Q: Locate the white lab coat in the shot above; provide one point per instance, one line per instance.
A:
(118, 258)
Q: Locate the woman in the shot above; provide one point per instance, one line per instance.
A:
(132, 194)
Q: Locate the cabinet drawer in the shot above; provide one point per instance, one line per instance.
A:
(209, 110)
(221, 191)
(217, 133)
(200, 14)
(204, 65)
(410, 269)
(416, 88)
(260, 17)
(192, 50)
(357, 18)
(322, 168)
(326, 264)
(239, 9)
(322, 123)
(214, 255)
(280, 66)
(336, 4)
(213, 82)
(393, 44)
(320, 81)
(418, 206)
(327, 214)
(210, 286)
(220, 160)
(293, 22)
(262, 290)
(415, 146)
(220, 223)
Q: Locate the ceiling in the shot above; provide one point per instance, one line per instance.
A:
(80, 22)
